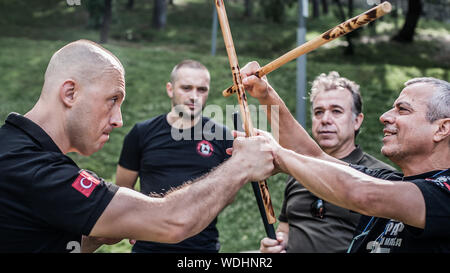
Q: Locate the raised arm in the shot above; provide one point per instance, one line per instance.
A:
(292, 135)
(351, 189)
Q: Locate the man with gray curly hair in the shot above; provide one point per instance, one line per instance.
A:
(308, 223)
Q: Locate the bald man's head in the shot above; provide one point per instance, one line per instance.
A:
(82, 61)
(81, 98)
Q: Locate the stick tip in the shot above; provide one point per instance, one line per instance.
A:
(386, 7)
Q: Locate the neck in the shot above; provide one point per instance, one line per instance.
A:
(51, 123)
(439, 159)
(174, 119)
(342, 151)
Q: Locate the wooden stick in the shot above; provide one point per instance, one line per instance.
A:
(328, 36)
(242, 99)
(269, 228)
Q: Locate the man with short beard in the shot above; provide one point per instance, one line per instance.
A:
(170, 149)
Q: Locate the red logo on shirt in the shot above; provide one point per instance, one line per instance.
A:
(204, 148)
(85, 183)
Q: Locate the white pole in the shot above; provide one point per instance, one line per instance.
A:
(214, 32)
(301, 63)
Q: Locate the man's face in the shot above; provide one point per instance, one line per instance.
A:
(189, 92)
(333, 123)
(96, 112)
(407, 133)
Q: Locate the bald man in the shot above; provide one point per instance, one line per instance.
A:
(47, 202)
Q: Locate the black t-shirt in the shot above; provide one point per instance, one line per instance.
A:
(166, 158)
(46, 201)
(380, 235)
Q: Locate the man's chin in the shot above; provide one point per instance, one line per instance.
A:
(327, 144)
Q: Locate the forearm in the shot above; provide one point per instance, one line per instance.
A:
(348, 188)
(187, 210)
(197, 204)
(180, 214)
(331, 181)
(292, 135)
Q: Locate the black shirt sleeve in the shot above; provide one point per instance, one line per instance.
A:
(130, 157)
(437, 198)
(57, 202)
(381, 173)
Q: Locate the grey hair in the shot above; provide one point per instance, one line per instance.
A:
(334, 81)
(439, 103)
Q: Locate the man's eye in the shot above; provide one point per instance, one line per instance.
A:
(114, 100)
(403, 110)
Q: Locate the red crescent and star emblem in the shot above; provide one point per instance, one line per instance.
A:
(85, 183)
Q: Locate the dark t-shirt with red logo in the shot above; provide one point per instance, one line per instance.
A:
(166, 158)
(46, 201)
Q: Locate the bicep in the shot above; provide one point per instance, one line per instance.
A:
(401, 201)
(126, 177)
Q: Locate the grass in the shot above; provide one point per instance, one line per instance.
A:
(31, 32)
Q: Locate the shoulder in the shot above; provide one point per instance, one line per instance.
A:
(382, 173)
(374, 163)
(440, 180)
(143, 128)
(154, 121)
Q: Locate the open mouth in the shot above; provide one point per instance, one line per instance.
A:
(389, 132)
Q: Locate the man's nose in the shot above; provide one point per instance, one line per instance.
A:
(326, 118)
(387, 117)
(116, 119)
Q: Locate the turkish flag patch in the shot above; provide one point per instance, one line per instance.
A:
(85, 183)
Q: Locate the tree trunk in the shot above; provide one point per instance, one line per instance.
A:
(248, 8)
(159, 14)
(324, 7)
(106, 22)
(130, 4)
(349, 50)
(315, 8)
(406, 34)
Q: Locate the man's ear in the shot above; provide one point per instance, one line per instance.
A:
(358, 121)
(169, 89)
(67, 93)
(443, 131)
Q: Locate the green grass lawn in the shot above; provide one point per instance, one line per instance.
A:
(380, 67)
